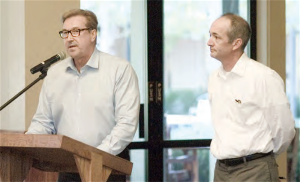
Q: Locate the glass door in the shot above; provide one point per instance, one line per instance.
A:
(186, 68)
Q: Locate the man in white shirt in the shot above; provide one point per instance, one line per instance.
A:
(250, 111)
(91, 96)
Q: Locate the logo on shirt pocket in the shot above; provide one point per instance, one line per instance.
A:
(238, 101)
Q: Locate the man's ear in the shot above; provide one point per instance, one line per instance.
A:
(237, 44)
(94, 35)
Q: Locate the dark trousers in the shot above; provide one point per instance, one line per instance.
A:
(259, 170)
(75, 177)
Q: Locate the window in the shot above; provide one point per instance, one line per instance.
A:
(187, 65)
(293, 80)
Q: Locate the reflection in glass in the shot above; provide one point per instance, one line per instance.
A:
(187, 65)
(188, 164)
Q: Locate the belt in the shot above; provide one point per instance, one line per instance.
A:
(241, 160)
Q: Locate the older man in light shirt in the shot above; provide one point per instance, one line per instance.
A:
(91, 96)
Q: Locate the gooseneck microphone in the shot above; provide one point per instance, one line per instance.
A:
(45, 64)
(43, 68)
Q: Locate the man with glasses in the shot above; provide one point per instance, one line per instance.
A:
(252, 119)
(91, 96)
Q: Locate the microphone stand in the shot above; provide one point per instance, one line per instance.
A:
(42, 76)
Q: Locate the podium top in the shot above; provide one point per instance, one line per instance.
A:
(55, 153)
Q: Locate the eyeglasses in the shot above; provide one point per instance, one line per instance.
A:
(75, 33)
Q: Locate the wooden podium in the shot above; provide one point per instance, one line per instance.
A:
(56, 153)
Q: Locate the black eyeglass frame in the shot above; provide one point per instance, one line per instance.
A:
(70, 31)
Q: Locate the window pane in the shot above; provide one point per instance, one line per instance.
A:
(293, 81)
(138, 158)
(118, 21)
(187, 65)
(188, 164)
(293, 56)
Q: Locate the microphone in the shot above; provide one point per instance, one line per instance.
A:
(45, 64)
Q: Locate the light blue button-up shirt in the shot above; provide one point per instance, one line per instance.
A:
(98, 106)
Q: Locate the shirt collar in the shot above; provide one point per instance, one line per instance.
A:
(92, 62)
(94, 59)
(239, 68)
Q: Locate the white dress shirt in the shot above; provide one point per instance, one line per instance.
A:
(250, 111)
(98, 106)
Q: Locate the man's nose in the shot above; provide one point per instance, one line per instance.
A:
(209, 42)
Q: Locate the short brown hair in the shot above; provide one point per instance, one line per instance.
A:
(239, 28)
(91, 18)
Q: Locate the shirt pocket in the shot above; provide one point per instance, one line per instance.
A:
(249, 108)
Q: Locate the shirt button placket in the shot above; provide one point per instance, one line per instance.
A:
(78, 100)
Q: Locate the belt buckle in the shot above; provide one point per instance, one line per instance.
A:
(245, 159)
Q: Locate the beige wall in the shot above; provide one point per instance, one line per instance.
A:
(271, 47)
(43, 22)
(271, 34)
